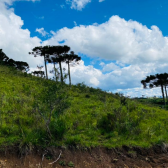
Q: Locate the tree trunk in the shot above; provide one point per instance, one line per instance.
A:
(163, 94)
(46, 68)
(55, 72)
(166, 91)
(69, 74)
(61, 71)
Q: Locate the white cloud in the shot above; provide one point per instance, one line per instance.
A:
(137, 50)
(40, 17)
(125, 80)
(62, 6)
(110, 67)
(102, 64)
(11, 1)
(88, 74)
(117, 39)
(78, 4)
(42, 31)
(15, 41)
(140, 92)
(75, 23)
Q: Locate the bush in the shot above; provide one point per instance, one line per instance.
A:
(58, 128)
(107, 123)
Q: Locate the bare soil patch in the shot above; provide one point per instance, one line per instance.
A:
(125, 157)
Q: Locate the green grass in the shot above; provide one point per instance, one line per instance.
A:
(39, 112)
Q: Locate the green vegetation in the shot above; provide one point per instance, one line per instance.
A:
(39, 112)
(153, 101)
(62, 163)
(70, 164)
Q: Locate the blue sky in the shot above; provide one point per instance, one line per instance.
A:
(120, 41)
(54, 15)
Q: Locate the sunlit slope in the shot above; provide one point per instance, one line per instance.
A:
(35, 111)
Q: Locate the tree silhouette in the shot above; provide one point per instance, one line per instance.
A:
(58, 53)
(38, 73)
(3, 57)
(158, 80)
(19, 65)
(22, 66)
(165, 80)
(71, 58)
(43, 51)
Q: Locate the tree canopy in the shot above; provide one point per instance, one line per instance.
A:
(19, 65)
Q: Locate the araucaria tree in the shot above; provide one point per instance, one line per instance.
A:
(158, 80)
(43, 51)
(58, 53)
(71, 58)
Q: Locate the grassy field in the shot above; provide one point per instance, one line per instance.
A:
(39, 112)
(154, 102)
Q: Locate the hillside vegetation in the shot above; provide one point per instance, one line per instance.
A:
(39, 112)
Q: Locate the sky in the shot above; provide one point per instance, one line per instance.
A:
(120, 41)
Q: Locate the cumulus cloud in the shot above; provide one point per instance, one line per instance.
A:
(140, 92)
(42, 31)
(117, 39)
(137, 50)
(110, 67)
(125, 79)
(15, 41)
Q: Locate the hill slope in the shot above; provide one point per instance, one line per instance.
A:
(39, 112)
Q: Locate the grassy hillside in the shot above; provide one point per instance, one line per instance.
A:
(35, 111)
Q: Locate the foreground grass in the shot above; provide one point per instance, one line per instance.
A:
(35, 111)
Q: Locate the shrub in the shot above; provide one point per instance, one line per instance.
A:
(107, 123)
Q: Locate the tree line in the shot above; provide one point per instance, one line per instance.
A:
(56, 55)
(158, 80)
(19, 65)
(51, 54)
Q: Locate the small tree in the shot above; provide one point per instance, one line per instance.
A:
(71, 58)
(38, 73)
(56, 73)
(43, 52)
